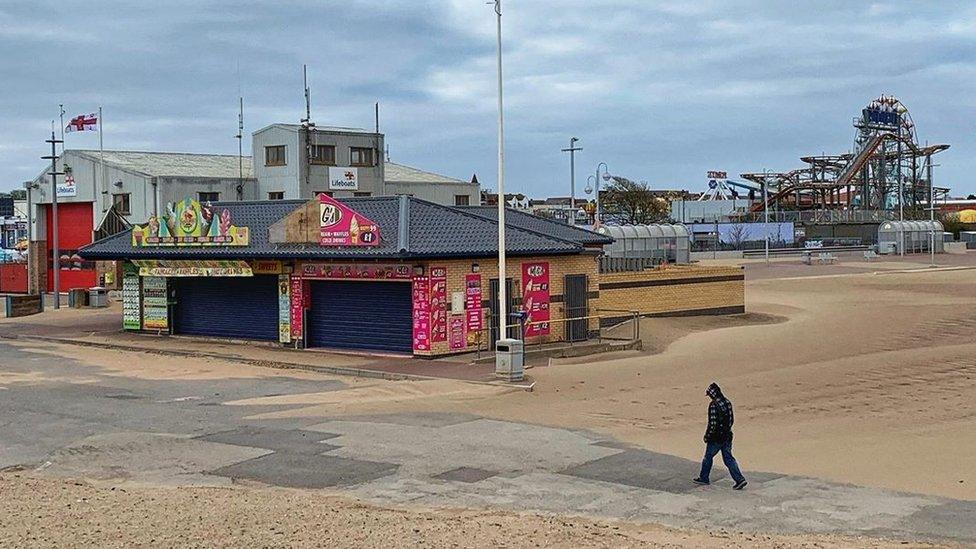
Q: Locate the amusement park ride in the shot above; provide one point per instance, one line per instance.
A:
(888, 170)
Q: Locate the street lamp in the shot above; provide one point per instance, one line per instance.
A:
(572, 177)
(606, 177)
(766, 211)
(502, 298)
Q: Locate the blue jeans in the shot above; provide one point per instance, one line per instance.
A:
(713, 448)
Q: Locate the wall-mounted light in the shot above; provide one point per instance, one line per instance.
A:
(475, 268)
(118, 183)
(418, 270)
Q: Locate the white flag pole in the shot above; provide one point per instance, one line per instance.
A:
(101, 160)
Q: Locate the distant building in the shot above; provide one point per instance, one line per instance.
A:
(343, 162)
(517, 201)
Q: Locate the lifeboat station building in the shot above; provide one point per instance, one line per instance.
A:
(384, 274)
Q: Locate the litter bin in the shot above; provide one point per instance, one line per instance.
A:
(97, 297)
(77, 298)
(508, 359)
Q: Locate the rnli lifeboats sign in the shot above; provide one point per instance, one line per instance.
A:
(342, 226)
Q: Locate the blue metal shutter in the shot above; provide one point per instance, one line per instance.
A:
(231, 307)
(372, 316)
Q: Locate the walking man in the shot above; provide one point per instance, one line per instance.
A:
(718, 438)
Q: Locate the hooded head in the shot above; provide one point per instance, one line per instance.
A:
(714, 391)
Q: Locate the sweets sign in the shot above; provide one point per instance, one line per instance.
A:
(340, 225)
(188, 223)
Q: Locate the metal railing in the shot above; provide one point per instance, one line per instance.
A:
(484, 343)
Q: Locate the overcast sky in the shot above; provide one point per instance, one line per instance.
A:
(661, 91)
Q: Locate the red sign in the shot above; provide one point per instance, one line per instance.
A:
(421, 313)
(535, 298)
(438, 303)
(456, 338)
(341, 226)
(367, 272)
(297, 306)
(472, 305)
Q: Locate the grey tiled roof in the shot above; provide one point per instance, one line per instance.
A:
(553, 228)
(435, 232)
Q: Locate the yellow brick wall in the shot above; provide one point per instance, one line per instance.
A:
(666, 299)
(559, 266)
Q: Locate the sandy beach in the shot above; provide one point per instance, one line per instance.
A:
(860, 378)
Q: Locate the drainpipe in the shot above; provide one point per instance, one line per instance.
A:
(155, 184)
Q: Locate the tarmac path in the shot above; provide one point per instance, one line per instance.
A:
(71, 418)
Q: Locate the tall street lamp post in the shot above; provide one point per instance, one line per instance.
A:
(502, 297)
(606, 177)
(766, 211)
(572, 178)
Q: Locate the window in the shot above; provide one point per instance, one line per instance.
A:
(274, 155)
(276, 195)
(208, 197)
(360, 156)
(121, 203)
(462, 200)
(322, 154)
(361, 194)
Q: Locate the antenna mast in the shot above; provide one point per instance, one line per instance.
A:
(307, 125)
(240, 151)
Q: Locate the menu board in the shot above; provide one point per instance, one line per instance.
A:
(456, 333)
(438, 303)
(341, 226)
(284, 309)
(131, 306)
(474, 318)
(343, 271)
(421, 313)
(155, 313)
(535, 298)
(297, 306)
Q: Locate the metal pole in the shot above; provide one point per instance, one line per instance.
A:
(572, 177)
(766, 210)
(931, 217)
(597, 213)
(55, 252)
(101, 162)
(30, 230)
(502, 297)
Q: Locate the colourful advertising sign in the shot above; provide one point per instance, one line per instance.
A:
(155, 312)
(176, 267)
(474, 317)
(188, 223)
(438, 303)
(456, 337)
(266, 267)
(131, 305)
(284, 309)
(421, 313)
(535, 298)
(339, 225)
(341, 271)
(297, 306)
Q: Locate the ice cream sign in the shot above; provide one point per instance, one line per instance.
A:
(342, 226)
(189, 223)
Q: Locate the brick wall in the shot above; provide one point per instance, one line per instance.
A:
(674, 290)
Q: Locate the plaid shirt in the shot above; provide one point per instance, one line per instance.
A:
(720, 419)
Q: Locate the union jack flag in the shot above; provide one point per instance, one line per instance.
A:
(83, 123)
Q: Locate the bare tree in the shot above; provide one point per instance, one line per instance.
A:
(632, 203)
(738, 234)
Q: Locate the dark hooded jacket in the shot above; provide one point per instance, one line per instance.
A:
(720, 417)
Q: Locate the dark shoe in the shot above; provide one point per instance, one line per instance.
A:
(697, 480)
(740, 485)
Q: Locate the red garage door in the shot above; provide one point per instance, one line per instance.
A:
(74, 231)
